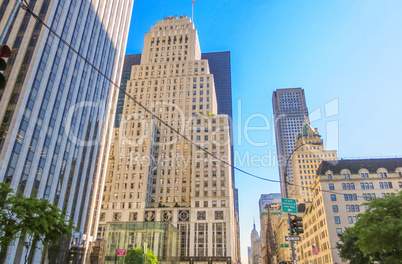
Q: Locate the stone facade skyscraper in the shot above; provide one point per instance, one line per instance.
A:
(306, 160)
(290, 111)
(55, 107)
(155, 174)
(255, 247)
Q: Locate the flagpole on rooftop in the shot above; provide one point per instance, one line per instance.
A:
(192, 12)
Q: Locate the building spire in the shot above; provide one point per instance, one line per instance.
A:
(254, 222)
(192, 11)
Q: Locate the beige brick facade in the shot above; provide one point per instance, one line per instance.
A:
(340, 191)
(154, 173)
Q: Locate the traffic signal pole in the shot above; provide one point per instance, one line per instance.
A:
(292, 243)
(285, 174)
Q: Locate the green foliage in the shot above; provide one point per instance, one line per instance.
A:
(378, 232)
(150, 257)
(37, 218)
(349, 249)
(136, 256)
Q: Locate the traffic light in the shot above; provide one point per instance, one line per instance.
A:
(296, 225)
(5, 52)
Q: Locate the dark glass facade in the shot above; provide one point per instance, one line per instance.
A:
(129, 61)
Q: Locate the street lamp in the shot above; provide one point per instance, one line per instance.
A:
(285, 174)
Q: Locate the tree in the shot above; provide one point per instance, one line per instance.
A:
(349, 249)
(45, 224)
(10, 226)
(36, 218)
(378, 232)
(136, 256)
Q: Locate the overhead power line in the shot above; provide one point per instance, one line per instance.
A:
(24, 5)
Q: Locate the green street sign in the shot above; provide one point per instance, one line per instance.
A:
(284, 245)
(289, 206)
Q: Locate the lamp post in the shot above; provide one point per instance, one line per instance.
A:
(285, 174)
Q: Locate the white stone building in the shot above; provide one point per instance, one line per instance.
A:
(155, 174)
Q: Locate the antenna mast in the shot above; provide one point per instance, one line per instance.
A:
(192, 11)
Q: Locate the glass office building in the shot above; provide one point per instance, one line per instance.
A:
(290, 112)
(56, 105)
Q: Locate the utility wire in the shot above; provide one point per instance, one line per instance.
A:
(26, 7)
(39, 20)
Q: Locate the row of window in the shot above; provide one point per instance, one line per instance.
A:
(363, 185)
(347, 197)
(163, 81)
(351, 220)
(365, 175)
(349, 208)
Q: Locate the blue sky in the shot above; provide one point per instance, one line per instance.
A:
(345, 54)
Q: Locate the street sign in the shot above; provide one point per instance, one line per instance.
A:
(284, 245)
(120, 252)
(289, 206)
(292, 238)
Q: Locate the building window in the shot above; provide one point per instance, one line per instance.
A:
(102, 217)
(383, 175)
(331, 186)
(333, 197)
(116, 216)
(329, 176)
(350, 219)
(337, 220)
(133, 216)
(335, 208)
(364, 175)
(339, 230)
(385, 185)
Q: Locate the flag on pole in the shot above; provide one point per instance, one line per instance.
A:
(315, 250)
(193, 2)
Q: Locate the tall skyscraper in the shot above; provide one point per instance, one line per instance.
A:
(290, 111)
(55, 107)
(156, 175)
(220, 68)
(255, 246)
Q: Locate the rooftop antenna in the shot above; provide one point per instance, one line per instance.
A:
(192, 11)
